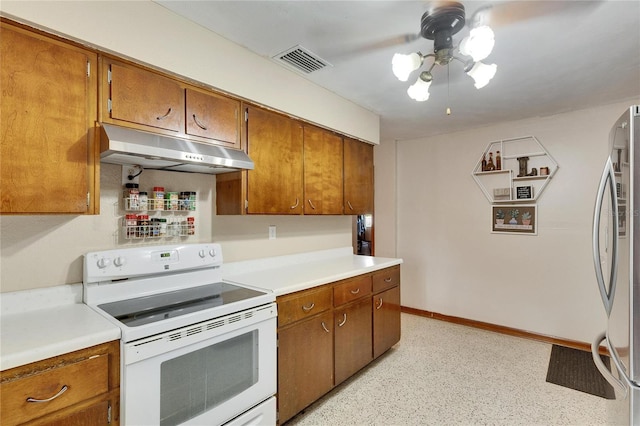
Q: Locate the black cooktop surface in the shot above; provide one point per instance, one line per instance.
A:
(158, 307)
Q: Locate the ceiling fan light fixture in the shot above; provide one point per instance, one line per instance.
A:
(478, 44)
(482, 73)
(404, 65)
(419, 91)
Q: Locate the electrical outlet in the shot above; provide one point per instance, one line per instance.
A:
(133, 171)
(272, 232)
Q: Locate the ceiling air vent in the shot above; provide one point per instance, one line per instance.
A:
(301, 59)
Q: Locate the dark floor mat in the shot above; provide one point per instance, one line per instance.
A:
(575, 369)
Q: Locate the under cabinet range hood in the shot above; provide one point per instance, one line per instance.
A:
(120, 145)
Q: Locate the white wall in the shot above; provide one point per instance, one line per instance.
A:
(453, 265)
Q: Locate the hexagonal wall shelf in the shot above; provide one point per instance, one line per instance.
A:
(514, 170)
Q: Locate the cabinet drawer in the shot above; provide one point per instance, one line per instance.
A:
(296, 306)
(351, 289)
(83, 380)
(386, 278)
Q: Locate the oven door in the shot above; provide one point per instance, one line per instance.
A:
(207, 373)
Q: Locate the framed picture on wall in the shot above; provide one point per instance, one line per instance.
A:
(514, 219)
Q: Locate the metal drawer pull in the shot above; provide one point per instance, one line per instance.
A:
(387, 280)
(350, 206)
(344, 320)
(325, 327)
(164, 116)
(296, 204)
(380, 305)
(308, 308)
(63, 390)
(356, 291)
(203, 127)
(311, 204)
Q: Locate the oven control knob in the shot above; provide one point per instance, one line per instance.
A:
(212, 253)
(202, 254)
(119, 261)
(104, 262)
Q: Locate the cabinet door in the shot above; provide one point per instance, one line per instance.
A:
(275, 145)
(48, 110)
(305, 364)
(386, 320)
(353, 346)
(142, 97)
(322, 172)
(358, 177)
(213, 117)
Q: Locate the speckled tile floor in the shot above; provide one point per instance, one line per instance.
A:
(447, 374)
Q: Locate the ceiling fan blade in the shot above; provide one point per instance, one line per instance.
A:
(342, 51)
(510, 12)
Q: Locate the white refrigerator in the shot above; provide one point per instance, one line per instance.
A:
(616, 252)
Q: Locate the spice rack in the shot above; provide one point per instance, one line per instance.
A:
(161, 215)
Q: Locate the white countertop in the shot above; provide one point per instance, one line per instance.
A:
(288, 274)
(43, 323)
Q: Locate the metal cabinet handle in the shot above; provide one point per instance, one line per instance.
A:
(356, 291)
(325, 327)
(349, 204)
(344, 320)
(164, 116)
(296, 204)
(311, 204)
(380, 305)
(387, 280)
(308, 308)
(60, 392)
(202, 126)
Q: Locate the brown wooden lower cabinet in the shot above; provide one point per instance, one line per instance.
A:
(78, 388)
(352, 338)
(305, 363)
(328, 333)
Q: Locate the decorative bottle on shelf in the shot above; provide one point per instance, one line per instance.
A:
(490, 165)
(498, 161)
(484, 162)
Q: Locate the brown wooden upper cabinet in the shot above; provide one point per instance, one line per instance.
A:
(136, 97)
(322, 172)
(47, 117)
(274, 143)
(358, 177)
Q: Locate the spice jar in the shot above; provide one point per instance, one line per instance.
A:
(191, 225)
(162, 227)
(158, 198)
(131, 196)
(143, 225)
(130, 224)
(171, 200)
(143, 198)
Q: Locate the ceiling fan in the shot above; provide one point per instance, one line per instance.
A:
(440, 23)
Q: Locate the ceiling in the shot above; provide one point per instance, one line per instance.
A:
(552, 56)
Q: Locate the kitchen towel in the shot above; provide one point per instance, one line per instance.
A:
(574, 369)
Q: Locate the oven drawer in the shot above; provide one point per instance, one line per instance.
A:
(351, 289)
(304, 304)
(386, 278)
(83, 379)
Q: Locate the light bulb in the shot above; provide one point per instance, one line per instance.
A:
(403, 65)
(482, 73)
(419, 91)
(478, 44)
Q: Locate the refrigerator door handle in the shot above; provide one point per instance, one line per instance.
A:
(621, 385)
(618, 384)
(607, 182)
